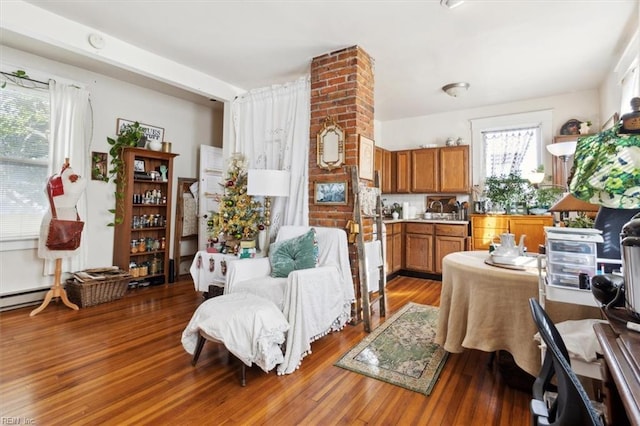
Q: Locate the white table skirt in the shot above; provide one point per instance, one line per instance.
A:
(209, 269)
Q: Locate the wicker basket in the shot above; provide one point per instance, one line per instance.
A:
(94, 292)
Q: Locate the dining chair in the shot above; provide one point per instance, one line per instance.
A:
(571, 405)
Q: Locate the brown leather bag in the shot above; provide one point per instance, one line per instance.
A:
(63, 234)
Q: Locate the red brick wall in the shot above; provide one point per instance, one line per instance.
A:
(342, 88)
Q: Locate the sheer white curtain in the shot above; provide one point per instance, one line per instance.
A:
(506, 150)
(70, 137)
(271, 128)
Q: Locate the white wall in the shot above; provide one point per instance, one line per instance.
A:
(410, 133)
(187, 125)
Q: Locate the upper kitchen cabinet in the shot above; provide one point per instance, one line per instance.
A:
(433, 170)
(403, 171)
(454, 169)
(425, 170)
(385, 165)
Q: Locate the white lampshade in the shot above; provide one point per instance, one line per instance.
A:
(270, 183)
(562, 149)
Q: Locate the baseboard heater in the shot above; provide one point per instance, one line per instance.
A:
(22, 299)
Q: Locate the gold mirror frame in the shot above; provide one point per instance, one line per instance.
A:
(330, 145)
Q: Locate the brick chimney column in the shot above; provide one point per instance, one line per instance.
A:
(342, 85)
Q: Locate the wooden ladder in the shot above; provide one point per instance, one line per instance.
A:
(366, 300)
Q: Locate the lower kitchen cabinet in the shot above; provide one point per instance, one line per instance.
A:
(484, 228)
(418, 246)
(450, 238)
(393, 256)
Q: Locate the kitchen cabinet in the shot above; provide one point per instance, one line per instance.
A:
(484, 228)
(418, 244)
(433, 170)
(383, 163)
(450, 238)
(454, 169)
(393, 256)
(142, 238)
(388, 172)
(403, 171)
(425, 170)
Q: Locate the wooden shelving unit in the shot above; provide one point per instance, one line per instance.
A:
(144, 216)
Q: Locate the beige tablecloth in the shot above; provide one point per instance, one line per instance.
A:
(487, 308)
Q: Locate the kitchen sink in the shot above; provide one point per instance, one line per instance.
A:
(440, 216)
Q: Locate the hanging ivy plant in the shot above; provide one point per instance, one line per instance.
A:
(128, 137)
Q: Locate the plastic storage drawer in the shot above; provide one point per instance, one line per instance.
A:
(572, 268)
(572, 247)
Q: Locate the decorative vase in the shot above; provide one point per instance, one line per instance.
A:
(584, 128)
(155, 145)
(395, 215)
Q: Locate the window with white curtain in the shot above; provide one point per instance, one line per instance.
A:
(24, 159)
(511, 151)
(510, 142)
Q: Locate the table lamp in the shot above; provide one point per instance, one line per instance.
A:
(267, 183)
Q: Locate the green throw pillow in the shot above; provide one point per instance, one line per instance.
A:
(294, 254)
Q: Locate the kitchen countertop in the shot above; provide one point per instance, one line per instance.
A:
(418, 220)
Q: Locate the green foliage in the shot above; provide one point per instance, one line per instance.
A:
(546, 196)
(507, 190)
(128, 137)
(580, 221)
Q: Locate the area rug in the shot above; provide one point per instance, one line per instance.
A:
(401, 350)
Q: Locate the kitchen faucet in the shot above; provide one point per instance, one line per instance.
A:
(434, 202)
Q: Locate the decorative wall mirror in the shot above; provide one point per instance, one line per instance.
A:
(330, 145)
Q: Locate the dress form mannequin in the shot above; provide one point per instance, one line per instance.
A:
(65, 204)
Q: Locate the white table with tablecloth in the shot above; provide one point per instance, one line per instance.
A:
(487, 308)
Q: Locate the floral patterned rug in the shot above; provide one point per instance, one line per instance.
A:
(401, 350)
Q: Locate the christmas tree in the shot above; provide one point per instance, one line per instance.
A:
(239, 216)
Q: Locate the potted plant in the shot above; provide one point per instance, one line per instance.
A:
(546, 196)
(129, 136)
(507, 190)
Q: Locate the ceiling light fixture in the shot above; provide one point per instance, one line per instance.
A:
(451, 4)
(456, 89)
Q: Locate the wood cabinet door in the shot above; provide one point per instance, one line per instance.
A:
(424, 170)
(403, 171)
(388, 255)
(485, 228)
(378, 160)
(388, 169)
(418, 252)
(454, 169)
(532, 227)
(396, 261)
(445, 245)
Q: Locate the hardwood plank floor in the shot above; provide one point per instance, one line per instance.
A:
(123, 363)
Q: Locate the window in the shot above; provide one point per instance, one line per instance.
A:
(511, 151)
(536, 125)
(24, 160)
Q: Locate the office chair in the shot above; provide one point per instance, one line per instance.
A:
(572, 405)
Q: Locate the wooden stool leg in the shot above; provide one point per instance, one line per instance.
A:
(199, 346)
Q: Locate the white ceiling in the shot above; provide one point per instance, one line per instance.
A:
(506, 50)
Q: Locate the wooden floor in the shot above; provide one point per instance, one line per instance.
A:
(123, 363)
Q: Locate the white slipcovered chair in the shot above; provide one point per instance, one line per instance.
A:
(314, 301)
